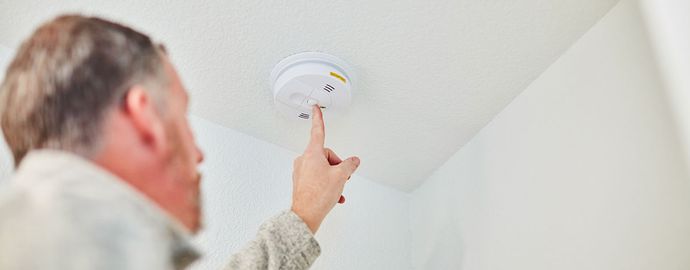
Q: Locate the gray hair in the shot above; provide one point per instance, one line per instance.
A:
(65, 77)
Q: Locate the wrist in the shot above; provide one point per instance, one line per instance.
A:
(312, 222)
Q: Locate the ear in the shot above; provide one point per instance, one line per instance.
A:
(140, 110)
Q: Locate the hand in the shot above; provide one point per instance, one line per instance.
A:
(319, 177)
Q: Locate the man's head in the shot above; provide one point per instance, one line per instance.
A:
(108, 93)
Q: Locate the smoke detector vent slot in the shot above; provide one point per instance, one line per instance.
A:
(328, 88)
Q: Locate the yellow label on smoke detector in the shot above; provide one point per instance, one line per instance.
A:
(337, 76)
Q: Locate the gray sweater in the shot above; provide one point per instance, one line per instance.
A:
(60, 211)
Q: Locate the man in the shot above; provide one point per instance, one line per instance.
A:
(95, 116)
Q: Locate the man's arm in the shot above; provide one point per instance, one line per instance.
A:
(283, 242)
(287, 240)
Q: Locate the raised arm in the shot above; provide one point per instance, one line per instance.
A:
(287, 240)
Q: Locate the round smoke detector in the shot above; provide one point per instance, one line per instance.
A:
(310, 78)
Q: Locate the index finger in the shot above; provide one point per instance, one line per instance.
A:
(318, 133)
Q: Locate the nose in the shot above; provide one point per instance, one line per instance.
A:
(199, 155)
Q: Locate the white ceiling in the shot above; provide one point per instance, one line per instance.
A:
(431, 73)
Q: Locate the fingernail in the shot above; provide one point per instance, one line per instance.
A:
(356, 160)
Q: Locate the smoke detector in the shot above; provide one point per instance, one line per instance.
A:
(311, 78)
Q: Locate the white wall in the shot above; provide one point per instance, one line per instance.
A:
(247, 180)
(668, 23)
(5, 156)
(581, 171)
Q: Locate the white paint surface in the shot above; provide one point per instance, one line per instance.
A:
(5, 57)
(668, 22)
(431, 74)
(581, 171)
(6, 164)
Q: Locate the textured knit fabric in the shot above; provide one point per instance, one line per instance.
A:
(284, 242)
(60, 211)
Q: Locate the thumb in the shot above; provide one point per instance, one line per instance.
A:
(349, 166)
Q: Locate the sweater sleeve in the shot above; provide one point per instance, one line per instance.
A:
(283, 242)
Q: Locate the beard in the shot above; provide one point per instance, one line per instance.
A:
(184, 173)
